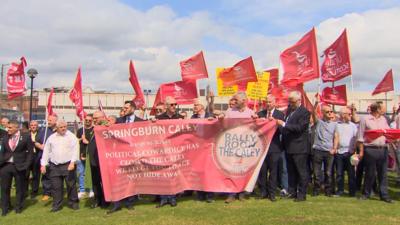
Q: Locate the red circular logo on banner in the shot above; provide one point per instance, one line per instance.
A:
(238, 150)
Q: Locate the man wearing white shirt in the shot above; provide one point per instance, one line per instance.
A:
(61, 152)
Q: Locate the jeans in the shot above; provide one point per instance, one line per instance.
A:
(343, 164)
(80, 167)
(283, 174)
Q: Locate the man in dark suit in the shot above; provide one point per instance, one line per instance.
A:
(129, 117)
(271, 162)
(294, 137)
(15, 158)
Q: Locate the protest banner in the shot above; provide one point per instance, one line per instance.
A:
(170, 156)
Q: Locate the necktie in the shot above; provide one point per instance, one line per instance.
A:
(269, 114)
(13, 143)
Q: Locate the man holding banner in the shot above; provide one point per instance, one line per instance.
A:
(239, 111)
(169, 114)
(270, 166)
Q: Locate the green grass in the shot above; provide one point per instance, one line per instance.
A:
(316, 210)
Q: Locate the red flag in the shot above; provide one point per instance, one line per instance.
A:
(183, 91)
(49, 103)
(241, 72)
(386, 84)
(76, 95)
(337, 60)
(194, 68)
(335, 96)
(273, 79)
(301, 60)
(139, 98)
(16, 79)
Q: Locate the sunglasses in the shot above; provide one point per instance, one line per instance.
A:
(173, 104)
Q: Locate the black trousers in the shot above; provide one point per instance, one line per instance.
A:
(325, 159)
(7, 172)
(375, 163)
(268, 176)
(343, 165)
(35, 168)
(97, 185)
(298, 174)
(59, 174)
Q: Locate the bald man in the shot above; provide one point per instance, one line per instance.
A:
(60, 153)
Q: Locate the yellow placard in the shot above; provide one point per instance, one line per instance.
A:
(224, 91)
(258, 90)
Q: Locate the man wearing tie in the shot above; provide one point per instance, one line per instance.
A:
(129, 117)
(294, 136)
(270, 165)
(15, 158)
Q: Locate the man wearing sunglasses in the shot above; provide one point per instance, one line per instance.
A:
(169, 114)
(324, 150)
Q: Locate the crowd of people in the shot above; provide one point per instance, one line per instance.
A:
(308, 151)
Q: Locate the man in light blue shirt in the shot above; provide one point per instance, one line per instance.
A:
(344, 142)
(323, 150)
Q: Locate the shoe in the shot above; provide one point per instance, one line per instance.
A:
(283, 193)
(45, 198)
(162, 203)
(315, 193)
(387, 200)
(91, 194)
(81, 195)
(363, 197)
(94, 205)
(18, 211)
(328, 195)
(74, 206)
(55, 210)
(242, 196)
(230, 199)
(130, 206)
(4, 212)
(173, 203)
(299, 199)
(210, 200)
(272, 198)
(113, 210)
(262, 196)
(33, 195)
(293, 196)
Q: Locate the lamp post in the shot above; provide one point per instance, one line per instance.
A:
(32, 73)
(2, 77)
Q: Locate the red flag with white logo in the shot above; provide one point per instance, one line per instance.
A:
(139, 97)
(183, 91)
(241, 72)
(194, 68)
(16, 79)
(50, 103)
(335, 96)
(273, 79)
(386, 84)
(301, 60)
(76, 95)
(337, 60)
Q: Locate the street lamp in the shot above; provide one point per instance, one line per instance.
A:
(32, 73)
(147, 92)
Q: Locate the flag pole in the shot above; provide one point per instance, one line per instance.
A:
(333, 86)
(352, 89)
(386, 101)
(47, 125)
